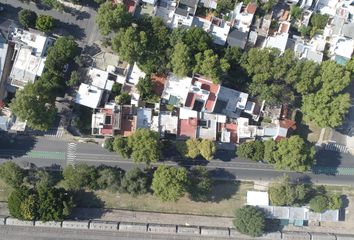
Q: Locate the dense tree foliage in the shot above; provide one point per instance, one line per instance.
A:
(270, 146)
(287, 194)
(11, 174)
(180, 60)
(15, 199)
(251, 150)
(294, 154)
(319, 204)
(109, 178)
(27, 18)
(135, 182)
(112, 17)
(145, 88)
(80, 176)
(192, 148)
(145, 146)
(210, 65)
(170, 183)
(45, 23)
(29, 104)
(319, 21)
(249, 220)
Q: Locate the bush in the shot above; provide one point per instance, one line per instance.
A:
(135, 182)
(80, 177)
(249, 220)
(27, 18)
(319, 204)
(109, 178)
(45, 23)
(11, 173)
(15, 200)
(108, 144)
(251, 150)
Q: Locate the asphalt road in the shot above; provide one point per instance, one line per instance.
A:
(54, 152)
(36, 233)
(79, 23)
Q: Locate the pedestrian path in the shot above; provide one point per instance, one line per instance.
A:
(336, 147)
(71, 154)
(333, 171)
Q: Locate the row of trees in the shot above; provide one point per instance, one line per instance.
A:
(36, 101)
(167, 183)
(29, 19)
(286, 193)
(291, 154)
(145, 146)
(192, 148)
(34, 196)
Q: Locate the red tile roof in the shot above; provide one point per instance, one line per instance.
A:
(212, 88)
(232, 128)
(187, 127)
(158, 83)
(251, 8)
(190, 100)
(127, 122)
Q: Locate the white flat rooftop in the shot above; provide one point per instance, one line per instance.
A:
(257, 198)
(88, 95)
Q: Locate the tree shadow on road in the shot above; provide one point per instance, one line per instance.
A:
(69, 29)
(15, 146)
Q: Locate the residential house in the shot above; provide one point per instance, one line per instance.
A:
(29, 56)
(184, 13)
(106, 121)
(279, 39)
(89, 96)
(341, 49)
(312, 50)
(9, 122)
(134, 74)
(218, 28)
(241, 20)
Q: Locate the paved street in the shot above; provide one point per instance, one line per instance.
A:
(78, 23)
(36, 233)
(54, 152)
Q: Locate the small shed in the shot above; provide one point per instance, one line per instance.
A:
(255, 198)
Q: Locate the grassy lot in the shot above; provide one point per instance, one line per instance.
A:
(345, 190)
(5, 190)
(224, 198)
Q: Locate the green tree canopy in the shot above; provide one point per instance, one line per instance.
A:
(145, 146)
(286, 193)
(27, 18)
(135, 182)
(294, 154)
(130, 44)
(170, 183)
(80, 176)
(209, 64)
(112, 17)
(12, 174)
(120, 145)
(181, 60)
(196, 39)
(15, 199)
(54, 204)
(29, 208)
(145, 87)
(270, 146)
(63, 51)
(319, 204)
(207, 149)
(45, 23)
(249, 220)
(74, 79)
(109, 178)
(319, 21)
(251, 150)
(29, 104)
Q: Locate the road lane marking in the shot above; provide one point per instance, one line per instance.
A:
(71, 154)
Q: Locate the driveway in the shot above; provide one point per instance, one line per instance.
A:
(80, 22)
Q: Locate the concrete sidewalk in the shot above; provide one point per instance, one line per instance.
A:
(150, 217)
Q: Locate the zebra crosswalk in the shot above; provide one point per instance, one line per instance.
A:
(71, 154)
(336, 147)
(55, 132)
